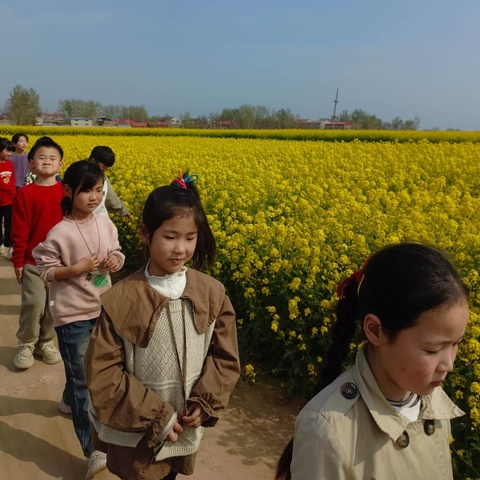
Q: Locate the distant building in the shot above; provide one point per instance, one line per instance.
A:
(80, 122)
(228, 124)
(324, 124)
(138, 124)
(306, 123)
(329, 125)
(123, 123)
(171, 121)
(4, 120)
(51, 119)
(159, 124)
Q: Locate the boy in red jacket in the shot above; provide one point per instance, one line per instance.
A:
(36, 209)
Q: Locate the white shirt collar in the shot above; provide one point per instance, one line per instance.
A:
(170, 285)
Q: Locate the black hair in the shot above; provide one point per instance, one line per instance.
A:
(398, 284)
(5, 143)
(102, 154)
(17, 136)
(169, 201)
(45, 142)
(79, 176)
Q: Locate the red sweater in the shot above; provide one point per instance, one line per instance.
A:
(7, 183)
(36, 209)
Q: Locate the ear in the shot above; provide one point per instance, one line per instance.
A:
(372, 326)
(144, 234)
(67, 191)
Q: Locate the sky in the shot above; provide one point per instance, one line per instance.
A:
(414, 58)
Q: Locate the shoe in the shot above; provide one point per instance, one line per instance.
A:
(1, 249)
(96, 462)
(9, 253)
(48, 352)
(64, 408)
(24, 357)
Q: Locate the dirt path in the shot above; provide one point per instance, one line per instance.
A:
(38, 442)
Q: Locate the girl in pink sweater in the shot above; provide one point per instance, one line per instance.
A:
(75, 261)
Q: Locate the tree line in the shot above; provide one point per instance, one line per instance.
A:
(23, 106)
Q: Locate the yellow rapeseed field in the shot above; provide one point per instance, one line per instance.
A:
(293, 218)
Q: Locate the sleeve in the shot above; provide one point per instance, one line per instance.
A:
(20, 229)
(113, 203)
(115, 245)
(119, 399)
(317, 452)
(47, 255)
(221, 368)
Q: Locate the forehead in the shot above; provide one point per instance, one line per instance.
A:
(441, 325)
(46, 152)
(180, 222)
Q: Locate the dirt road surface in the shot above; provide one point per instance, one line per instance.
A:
(37, 442)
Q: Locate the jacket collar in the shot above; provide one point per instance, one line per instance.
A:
(434, 406)
(135, 315)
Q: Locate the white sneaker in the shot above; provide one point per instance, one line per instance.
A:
(64, 408)
(24, 357)
(50, 355)
(96, 462)
(9, 253)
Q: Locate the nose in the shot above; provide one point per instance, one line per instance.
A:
(179, 246)
(448, 359)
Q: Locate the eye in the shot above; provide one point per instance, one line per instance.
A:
(431, 352)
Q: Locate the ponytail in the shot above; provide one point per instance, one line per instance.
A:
(67, 205)
(343, 332)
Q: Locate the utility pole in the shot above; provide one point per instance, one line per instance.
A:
(334, 110)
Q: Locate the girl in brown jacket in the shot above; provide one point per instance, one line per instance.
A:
(387, 416)
(163, 357)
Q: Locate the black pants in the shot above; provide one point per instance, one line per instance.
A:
(170, 476)
(6, 219)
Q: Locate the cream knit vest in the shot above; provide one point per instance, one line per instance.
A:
(156, 366)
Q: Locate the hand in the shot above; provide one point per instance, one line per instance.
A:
(19, 274)
(112, 262)
(173, 433)
(194, 417)
(88, 264)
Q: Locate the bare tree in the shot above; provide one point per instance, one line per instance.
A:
(23, 106)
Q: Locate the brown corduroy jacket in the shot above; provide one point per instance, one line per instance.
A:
(120, 401)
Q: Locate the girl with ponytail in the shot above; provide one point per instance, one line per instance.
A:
(75, 261)
(386, 416)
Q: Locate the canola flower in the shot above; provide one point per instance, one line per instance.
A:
(293, 218)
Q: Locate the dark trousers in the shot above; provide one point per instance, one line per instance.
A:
(170, 476)
(6, 221)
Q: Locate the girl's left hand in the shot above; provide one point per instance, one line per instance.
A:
(112, 262)
(194, 417)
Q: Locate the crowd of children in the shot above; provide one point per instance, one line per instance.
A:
(150, 361)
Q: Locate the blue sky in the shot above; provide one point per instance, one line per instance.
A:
(410, 58)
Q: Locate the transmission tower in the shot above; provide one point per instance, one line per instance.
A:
(334, 109)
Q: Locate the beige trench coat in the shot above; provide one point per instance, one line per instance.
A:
(350, 431)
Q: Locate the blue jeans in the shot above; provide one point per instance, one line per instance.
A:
(73, 341)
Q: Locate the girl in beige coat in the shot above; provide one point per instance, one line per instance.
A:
(387, 416)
